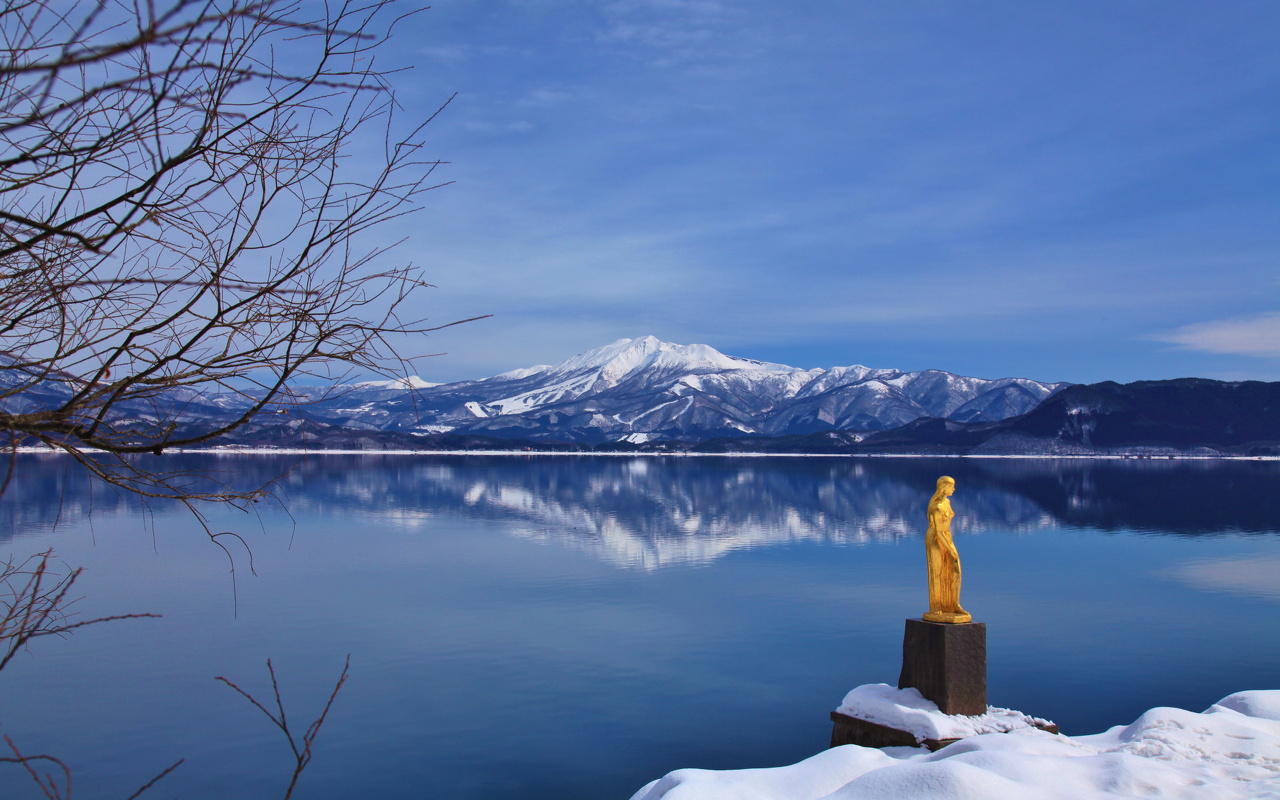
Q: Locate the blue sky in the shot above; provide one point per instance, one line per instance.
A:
(1074, 191)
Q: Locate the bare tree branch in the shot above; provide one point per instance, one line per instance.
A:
(48, 784)
(35, 602)
(189, 204)
(193, 199)
(163, 773)
(301, 747)
(45, 781)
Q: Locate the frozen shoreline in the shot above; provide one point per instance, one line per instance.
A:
(1231, 751)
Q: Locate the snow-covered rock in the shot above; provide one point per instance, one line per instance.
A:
(1231, 751)
(908, 710)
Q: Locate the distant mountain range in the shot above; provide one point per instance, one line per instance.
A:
(640, 391)
(1190, 416)
(1186, 415)
(648, 395)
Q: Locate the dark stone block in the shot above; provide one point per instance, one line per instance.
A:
(865, 733)
(947, 663)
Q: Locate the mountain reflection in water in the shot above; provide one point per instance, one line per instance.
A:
(650, 512)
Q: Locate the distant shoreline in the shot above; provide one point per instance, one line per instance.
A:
(294, 451)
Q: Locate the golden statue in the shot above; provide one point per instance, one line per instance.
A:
(944, 561)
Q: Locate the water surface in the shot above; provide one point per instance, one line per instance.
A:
(572, 627)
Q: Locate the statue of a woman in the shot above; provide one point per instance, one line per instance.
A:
(944, 561)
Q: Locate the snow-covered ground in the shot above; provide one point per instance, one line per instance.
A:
(1229, 751)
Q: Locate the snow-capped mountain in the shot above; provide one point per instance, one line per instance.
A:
(645, 389)
(648, 391)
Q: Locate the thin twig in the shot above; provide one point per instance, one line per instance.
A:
(301, 749)
(48, 786)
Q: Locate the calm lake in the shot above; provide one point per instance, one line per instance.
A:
(573, 627)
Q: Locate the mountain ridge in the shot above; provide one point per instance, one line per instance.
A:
(1196, 416)
(645, 394)
(645, 390)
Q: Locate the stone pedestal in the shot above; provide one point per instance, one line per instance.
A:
(865, 733)
(848, 729)
(947, 663)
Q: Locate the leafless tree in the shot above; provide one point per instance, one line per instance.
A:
(193, 195)
(188, 203)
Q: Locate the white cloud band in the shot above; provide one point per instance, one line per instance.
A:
(1250, 336)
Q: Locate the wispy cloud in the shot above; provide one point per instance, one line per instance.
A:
(667, 32)
(519, 126)
(449, 53)
(991, 191)
(544, 97)
(1248, 336)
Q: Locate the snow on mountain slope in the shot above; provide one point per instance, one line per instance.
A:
(646, 389)
(626, 362)
(412, 382)
(641, 389)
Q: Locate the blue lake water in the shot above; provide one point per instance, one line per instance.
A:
(573, 627)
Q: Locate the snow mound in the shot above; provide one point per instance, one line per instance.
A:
(908, 710)
(1231, 751)
(1263, 705)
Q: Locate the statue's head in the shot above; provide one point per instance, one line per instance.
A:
(946, 485)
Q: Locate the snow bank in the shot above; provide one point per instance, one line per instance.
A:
(1230, 751)
(908, 710)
